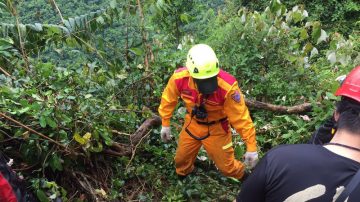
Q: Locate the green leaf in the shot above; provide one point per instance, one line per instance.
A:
(100, 20)
(323, 36)
(331, 96)
(55, 163)
(303, 34)
(331, 56)
(63, 136)
(42, 121)
(275, 6)
(23, 110)
(286, 135)
(37, 27)
(6, 54)
(184, 18)
(51, 122)
(239, 151)
(35, 107)
(105, 136)
(78, 22)
(3, 7)
(42, 196)
(67, 25)
(136, 51)
(97, 149)
(53, 30)
(79, 139)
(72, 23)
(71, 42)
(316, 31)
(65, 118)
(7, 41)
(296, 16)
(291, 58)
(307, 48)
(113, 4)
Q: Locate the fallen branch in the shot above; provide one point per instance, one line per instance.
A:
(120, 149)
(145, 128)
(113, 153)
(306, 107)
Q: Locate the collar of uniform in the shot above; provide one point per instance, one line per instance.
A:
(191, 84)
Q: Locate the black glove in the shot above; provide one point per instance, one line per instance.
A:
(324, 133)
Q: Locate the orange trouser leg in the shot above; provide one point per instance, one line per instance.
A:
(220, 150)
(186, 153)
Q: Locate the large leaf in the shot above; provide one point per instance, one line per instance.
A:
(42, 196)
(316, 31)
(55, 163)
(137, 51)
(50, 122)
(323, 36)
(275, 6)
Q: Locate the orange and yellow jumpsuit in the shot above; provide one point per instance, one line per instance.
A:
(225, 105)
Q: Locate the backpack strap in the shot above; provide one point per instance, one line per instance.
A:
(349, 187)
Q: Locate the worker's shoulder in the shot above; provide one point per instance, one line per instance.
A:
(294, 150)
(293, 147)
(226, 80)
(181, 73)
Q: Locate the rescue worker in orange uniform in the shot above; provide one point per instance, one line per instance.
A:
(213, 101)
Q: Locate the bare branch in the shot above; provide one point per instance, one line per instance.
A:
(306, 107)
(54, 5)
(5, 72)
(34, 131)
(134, 150)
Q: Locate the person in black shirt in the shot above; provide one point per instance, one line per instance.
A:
(307, 172)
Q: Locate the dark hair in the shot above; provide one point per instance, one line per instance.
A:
(349, 111)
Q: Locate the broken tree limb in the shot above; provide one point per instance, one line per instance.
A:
(120, 149)
(113, 153)
(306, 107)
(144, 128)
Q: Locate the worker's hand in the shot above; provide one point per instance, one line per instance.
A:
(251, 159)
(165, 134)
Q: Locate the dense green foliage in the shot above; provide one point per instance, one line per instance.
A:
(336, 15)
(89, 81)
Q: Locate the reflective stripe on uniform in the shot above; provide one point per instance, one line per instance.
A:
(227, 146)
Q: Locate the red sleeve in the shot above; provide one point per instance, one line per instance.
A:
(6, 192)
